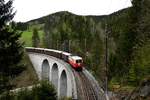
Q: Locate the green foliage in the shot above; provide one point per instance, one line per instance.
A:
(66, 98)
(66, 26)
(27, 38)
(141, 63)
(79, 35)
(21, 26)
(35, 38)
(43, 91)
(31, 27)
(7, 96)
(132, 75)
(24, 94)
(128, 32)
(28, 77)
(11, 49)
(129, 63)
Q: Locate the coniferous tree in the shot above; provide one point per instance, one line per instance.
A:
(35, 38)
(11, 49)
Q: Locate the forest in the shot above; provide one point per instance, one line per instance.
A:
(128, 42)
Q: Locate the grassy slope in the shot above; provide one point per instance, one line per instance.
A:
(27, 37)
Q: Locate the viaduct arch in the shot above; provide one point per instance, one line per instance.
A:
(63, 84)
(54, 75)
(45, 70)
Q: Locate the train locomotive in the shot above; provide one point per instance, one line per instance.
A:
(75, 61)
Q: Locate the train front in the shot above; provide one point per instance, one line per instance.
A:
(76, 62)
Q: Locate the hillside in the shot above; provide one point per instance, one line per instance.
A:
(128, 44)
(82, 32)
(28, 77)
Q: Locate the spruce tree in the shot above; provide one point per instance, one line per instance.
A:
(35, 38)
(11, 49)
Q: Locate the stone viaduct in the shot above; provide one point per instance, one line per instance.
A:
(55, 70)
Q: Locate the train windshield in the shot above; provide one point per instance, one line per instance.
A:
(78, 61)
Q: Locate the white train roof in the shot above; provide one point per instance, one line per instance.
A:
(53, 50)
(76, 57)
(65, 53)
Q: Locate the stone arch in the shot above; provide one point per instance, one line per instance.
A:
(63, 84)
(45, 70)
(54, 75)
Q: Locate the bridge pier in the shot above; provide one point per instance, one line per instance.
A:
(54, 75)
(45, 70)
(63, 84)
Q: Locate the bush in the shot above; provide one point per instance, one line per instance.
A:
(44, 91)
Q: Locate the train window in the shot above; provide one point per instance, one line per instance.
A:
(78, 61)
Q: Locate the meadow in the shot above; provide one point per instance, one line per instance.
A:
(27, 37)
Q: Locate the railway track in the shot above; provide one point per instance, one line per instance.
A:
(85, 89)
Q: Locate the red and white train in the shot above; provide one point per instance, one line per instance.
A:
(75, 61)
